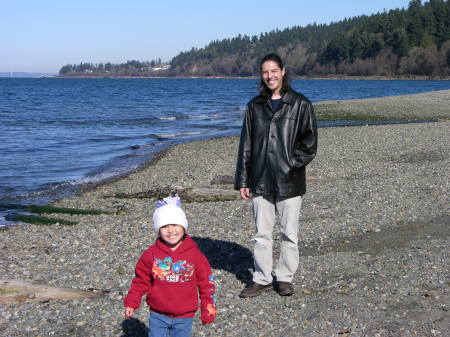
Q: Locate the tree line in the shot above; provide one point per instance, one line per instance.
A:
(411, 41)
(130, 68)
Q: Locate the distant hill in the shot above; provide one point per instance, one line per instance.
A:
(25, 74)
(401, 42)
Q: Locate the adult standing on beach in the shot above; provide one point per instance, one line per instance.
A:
(278, 140)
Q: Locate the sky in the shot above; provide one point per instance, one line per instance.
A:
(44, 35)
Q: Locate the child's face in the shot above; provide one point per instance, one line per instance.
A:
(172, 235)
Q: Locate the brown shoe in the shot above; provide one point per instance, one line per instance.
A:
(285, 288)
(254, 289)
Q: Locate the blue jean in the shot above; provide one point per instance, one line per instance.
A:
(165, 326)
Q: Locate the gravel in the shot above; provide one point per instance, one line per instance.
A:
(422, 106)
(374, 243)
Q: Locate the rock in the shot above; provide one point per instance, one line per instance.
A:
(223, 180)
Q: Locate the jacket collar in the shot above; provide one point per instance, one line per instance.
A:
(288, 98)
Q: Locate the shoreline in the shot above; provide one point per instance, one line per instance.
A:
(405, 108)
(374, 242)
(330, 77)
(339, 108)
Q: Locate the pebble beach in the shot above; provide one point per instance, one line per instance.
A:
(374, 237)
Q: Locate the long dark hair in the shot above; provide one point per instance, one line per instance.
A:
(263, 88)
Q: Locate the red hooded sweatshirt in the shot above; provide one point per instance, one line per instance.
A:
(173, 280)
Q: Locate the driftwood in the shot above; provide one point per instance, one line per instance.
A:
(18, 292)
(186, 194)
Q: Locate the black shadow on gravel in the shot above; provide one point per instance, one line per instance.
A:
(228, 256)
(134, 328)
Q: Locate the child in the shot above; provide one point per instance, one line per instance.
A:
(169, 273)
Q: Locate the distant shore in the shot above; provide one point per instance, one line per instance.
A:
(330, 77)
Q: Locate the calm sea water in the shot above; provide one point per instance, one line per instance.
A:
(58, 134)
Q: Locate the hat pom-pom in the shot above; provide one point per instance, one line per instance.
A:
(170, 200)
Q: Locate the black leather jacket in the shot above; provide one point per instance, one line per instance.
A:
(276, 146)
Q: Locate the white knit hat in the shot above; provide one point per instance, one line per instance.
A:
(169, 214)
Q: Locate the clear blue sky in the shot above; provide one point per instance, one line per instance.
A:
(44, 35)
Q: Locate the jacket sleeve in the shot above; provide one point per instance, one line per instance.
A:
(206, 289)
(242, 176)
(305, 148)
(141, 284)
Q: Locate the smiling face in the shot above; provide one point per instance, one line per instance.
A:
(272, 75)
(172, 235)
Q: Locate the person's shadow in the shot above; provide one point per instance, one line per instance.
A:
(228, 256)
(223, 255)
(133, 327)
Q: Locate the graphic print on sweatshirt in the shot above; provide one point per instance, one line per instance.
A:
(166, 270)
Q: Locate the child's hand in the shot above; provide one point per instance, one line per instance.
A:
(129, 312)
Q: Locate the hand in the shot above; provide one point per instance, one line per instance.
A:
(129, 312)
(245, 193)
(207, 321)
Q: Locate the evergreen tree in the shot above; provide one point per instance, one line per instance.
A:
(414, 40)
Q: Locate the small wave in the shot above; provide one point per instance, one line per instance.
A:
(177, 134)
(96, 179)
(167, 118)
(209, 116)
(48, 188)
(143, 147)
(46, 194)
(202, 116)
(114, 138)
(5, 222)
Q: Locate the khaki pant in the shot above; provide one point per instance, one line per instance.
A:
(265, 210)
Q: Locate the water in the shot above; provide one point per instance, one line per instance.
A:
(57, 135)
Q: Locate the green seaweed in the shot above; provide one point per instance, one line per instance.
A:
(60, 210)
(41, 220)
